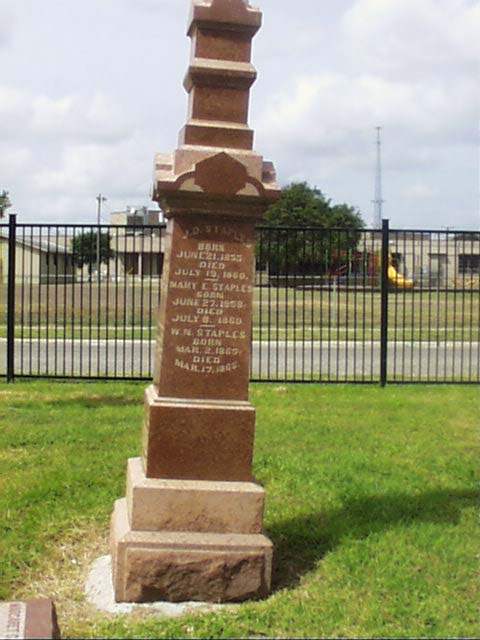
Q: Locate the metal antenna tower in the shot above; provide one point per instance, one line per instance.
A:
(378, 202)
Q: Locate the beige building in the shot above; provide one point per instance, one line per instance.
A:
(136, 241)
(435, 259)
(38, 259)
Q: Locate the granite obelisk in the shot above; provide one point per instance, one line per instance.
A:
(190, 527)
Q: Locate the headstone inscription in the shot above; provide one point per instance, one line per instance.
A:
(190, 527)
(31, 619)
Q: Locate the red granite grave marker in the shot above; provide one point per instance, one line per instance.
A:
(194, 484)
(30, 619)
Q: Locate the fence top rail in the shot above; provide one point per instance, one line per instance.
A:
(311, 228)
(442, 232)
(92, 225)
(262, 227)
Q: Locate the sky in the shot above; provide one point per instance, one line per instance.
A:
(91, 90)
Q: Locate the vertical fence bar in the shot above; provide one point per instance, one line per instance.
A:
(260, 309)
(22, 303)
(12, 243)
(384, 305)
(269, 304)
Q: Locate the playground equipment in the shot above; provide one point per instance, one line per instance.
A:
(395, 278)
(371, 263)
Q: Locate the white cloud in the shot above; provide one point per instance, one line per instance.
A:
(14, 111)
(419, 190)
(79, 118)
(327, 114)
(81, 167)
(59, 152)
(48, 113)
(6, 25)
(13, 164)
(153, 5)
(68, 185)
(413, 38)
(385, 35)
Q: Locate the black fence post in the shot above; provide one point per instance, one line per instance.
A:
(12, 232)
(384, 305)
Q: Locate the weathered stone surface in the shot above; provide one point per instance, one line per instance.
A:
(31, 619)
(184, 505)
(198, 440)
(201, 540)
(189, 574)
(228, 104)
(221, 174)
(214, 135)
(203, 344)
(237, 14)
(222, 44)
(176, 566)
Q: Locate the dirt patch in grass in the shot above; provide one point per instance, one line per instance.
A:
(15, 454)
(61, 576)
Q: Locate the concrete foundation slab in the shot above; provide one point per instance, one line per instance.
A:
(99, 593)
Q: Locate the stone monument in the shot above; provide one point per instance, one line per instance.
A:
(31, 619)
(190, 527)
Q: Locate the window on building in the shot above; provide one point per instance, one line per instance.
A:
(469, 264)
(438, 261)
(152, 264)
(131, 263)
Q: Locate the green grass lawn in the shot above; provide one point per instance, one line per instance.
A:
(85, 311)
(372, 505)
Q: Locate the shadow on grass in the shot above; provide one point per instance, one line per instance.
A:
(301, 542)
(93, 401)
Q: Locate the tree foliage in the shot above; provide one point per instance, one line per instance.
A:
(305, 250)
(84, 248)
(305, 206)
(4, 202)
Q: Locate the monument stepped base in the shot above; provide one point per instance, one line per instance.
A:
(192, 505)
(183, 566)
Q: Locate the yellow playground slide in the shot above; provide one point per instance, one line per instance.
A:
(396, 279)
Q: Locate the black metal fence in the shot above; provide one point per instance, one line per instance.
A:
(330, 305)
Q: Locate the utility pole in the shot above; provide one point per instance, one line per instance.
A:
(100, 200)
(378, 202)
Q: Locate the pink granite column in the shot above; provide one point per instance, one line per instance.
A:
(190, 527)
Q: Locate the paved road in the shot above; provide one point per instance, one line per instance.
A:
(309, 360)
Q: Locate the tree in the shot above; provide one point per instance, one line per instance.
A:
(305, 250)
(85, 246)
(4, 203)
